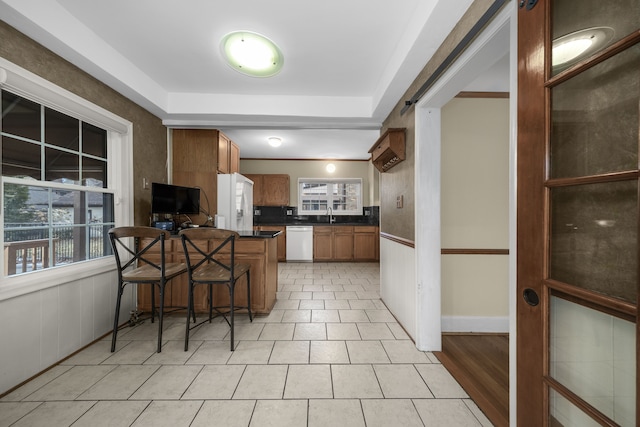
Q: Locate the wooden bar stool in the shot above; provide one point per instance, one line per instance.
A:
(135, 249)
(210, 255)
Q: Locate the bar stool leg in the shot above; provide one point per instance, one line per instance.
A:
(249, 295)
(116, 317)
(160, 315)
(232, 286)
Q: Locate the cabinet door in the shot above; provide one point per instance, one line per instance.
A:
(322, 244)
(258, 191)
(276, 190)
(343, 243)
(365, 244)
(223, 153)
(234, 158)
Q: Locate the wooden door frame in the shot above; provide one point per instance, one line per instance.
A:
(497, 39)
(531, 214)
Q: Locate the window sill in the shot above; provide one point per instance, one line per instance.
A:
(15, 286)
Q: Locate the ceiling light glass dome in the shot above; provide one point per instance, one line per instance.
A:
(252, 54)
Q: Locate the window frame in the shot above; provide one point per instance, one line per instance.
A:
(24, 83)
(329, 195)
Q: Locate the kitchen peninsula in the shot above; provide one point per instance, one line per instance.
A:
(257, 248)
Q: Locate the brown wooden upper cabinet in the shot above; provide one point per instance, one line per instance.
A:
(228, 155)
(270, 189)
(198, 155)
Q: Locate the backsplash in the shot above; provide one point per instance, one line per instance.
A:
(279, 215)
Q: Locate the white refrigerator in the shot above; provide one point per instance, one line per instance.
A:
(235, 202)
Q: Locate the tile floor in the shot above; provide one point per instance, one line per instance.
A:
(329, 354)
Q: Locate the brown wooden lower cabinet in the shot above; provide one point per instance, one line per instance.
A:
(282, 238)
(345, 243)
(261, 253)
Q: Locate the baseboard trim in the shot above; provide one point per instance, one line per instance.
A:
(475, 324)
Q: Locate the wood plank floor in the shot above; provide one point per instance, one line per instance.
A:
(480, 363)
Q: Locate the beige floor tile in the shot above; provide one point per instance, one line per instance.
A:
(262, 382)
(342, 331)
(168, 382)
(398, 332)
(353, 316)
(296, 316)
(92, 355)
(210, 353)
(380, 316)
(346, 295)
(401, 382)
(279, 413)
(215, 382)
(315, 287)
(10, 412)
(277, 331)
(173, 353)
(217, 330)
(446, 412)
(404, 351)
(324, 316)
(366, 352)
(392, 412)
(374, 331)
(308, 382)
(169, 413)
(275, 316)
(71, 384)
(328, 352)
(280, 295)
(227, 413)
(323, 295)
(120, 383)
(251, 353)
(312, 304)
(440, 382)
(372, 295)
(248, 331)
(336, 412)
(36, 383)
(336, 304)
(310, 331)
(286, 304)
(355, 382)
(54, 414)
(290, 352)
(112, 413)
(134, 353)
(361, 304)
(301, 295)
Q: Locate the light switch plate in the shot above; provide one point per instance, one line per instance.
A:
(399, 201)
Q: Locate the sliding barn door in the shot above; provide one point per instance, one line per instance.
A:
(578, 145)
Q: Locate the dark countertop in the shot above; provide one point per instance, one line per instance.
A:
(356, 224)
(259, 234)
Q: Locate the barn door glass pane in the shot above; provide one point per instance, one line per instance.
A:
(594, 237)
(594, 121)
(594, 355)
(581, 29)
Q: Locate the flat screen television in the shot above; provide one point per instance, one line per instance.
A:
(174, 199)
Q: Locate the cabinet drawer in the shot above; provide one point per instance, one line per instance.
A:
(365, 229)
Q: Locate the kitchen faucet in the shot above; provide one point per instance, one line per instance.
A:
(330, 213)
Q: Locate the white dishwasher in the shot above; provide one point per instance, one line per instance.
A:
(299, 243)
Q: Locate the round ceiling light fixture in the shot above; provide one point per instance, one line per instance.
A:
(274, 141)
(573, 47)
(331, 168)
(252, 54)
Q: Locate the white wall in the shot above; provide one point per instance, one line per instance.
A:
(41, 328)
(397, 282)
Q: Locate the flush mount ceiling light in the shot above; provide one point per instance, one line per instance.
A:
(331, 168)
(573, 47)
(274, 141)
(252, 54)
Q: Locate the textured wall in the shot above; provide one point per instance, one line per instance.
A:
(399, 181)
(149, 135)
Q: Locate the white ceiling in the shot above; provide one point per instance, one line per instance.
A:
(346, 63)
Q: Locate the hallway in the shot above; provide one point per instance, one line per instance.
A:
(329, 354)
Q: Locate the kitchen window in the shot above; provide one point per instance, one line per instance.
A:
(66, 180)
(341, 196)
(56, 205)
